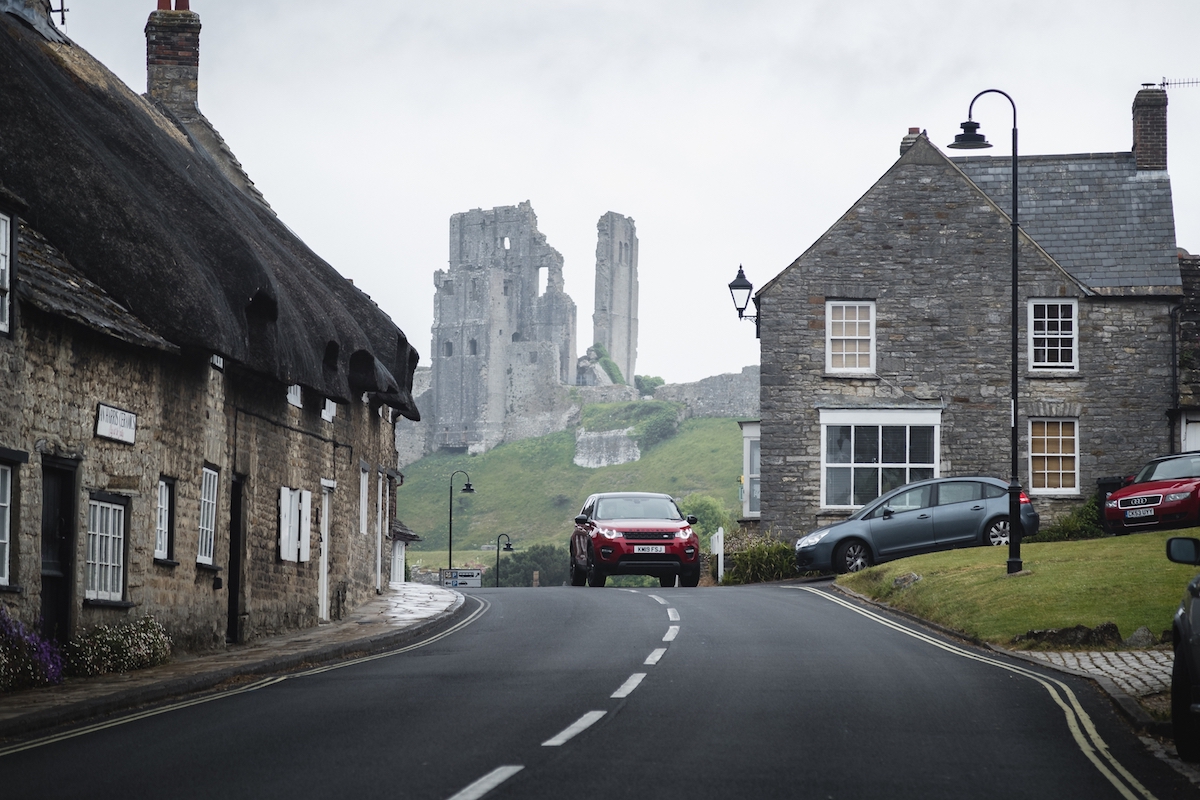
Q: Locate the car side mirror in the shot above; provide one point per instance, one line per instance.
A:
(1183, 550)
(581, 519)
(888, 511)
(691, 519)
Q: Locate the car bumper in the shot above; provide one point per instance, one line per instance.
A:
(1173, 515)
(619, 559)
(818, 558)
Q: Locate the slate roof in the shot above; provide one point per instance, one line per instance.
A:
(1109, 225)
(143, 212)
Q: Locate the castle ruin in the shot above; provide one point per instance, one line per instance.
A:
(615, 321)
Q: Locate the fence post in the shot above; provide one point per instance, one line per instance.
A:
(716, 546)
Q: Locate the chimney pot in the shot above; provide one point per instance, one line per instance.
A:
(173, 55)
(1150, 129)
(909, 140)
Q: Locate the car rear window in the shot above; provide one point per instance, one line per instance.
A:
(959, 492)
(637, 508)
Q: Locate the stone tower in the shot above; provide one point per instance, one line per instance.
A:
(503, 333)
(615, 321)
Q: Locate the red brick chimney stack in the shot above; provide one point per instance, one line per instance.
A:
(173, 55)
(1150, 128)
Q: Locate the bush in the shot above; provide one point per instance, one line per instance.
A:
(710, 513)
(647, 384)
(1082, 523)
(763, 561)
(26, 659)
(137, 644)
(516, 569)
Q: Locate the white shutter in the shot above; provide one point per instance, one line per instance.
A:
(287, 548)
(305, 523)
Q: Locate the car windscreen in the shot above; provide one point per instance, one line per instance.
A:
(637, 508)
(1170, 469)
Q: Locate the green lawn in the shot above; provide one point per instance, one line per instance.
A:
(1121, 579)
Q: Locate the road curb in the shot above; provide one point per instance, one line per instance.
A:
(1128, 706)
(123, 700)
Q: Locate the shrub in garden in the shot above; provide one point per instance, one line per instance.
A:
(1081, 523)
(136, 644)
(26, 659)
(752, 557)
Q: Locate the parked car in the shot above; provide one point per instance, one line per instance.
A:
(1185, 675)
(920, 517)
(1164, 494)
(634, 533)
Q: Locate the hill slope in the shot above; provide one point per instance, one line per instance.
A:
(531, 489)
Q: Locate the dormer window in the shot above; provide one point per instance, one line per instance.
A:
(5, 273)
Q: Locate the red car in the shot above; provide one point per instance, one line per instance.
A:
(634, 533)
(1164, 494)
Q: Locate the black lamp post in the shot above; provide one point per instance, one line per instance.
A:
(466, 489)
(507, 548)
(741, 289)
(970, 140)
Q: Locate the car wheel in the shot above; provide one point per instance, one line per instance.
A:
(851, 556)
(996, 534)
(1185, 727)
(690, 579)
(595, 575)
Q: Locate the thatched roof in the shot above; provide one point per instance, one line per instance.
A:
(115, 184)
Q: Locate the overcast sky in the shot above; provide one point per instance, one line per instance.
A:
(733, 132)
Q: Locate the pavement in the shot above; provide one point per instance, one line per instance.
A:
(403, 612)
(408, 610)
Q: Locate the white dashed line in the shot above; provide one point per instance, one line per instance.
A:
(628, 686)
(672, 632)
(658, 599)
(488, 782)
(653, 658)
(672, 615)
(579, 726)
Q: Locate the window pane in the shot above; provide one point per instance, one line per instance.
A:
(755, 494)
(755, 457)
(866, 485)
(866, 444)
(893, 478)
(837, 444)
(837, 486)
(920, 474)
(895, 444)
(920, 445)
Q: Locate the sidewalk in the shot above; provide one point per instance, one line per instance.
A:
(403, 612)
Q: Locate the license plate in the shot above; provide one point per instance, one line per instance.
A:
(649, 548)
(1139, 512)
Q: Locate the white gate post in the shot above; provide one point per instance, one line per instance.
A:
(716, 545)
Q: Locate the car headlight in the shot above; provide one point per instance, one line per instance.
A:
(811, 539)
(683, 533)
(1110, 503)
(608, 533)
(1171, 498)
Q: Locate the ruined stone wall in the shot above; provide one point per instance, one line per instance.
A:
(731, 395)
(595, 449)
(615, 320)
(189, 416)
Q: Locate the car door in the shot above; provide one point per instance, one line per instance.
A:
(960, 513)
(904, 523)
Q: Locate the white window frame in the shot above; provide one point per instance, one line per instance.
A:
(364, 497)
(105, 554)
(329, 411)
(836, 332)
(164, 520)
(1040, 337)
(208, 516)
(295, 524)
(1039, 479)
(5, 273)
(879, 418)
(751, 469)
(6, 482)
(295, 395)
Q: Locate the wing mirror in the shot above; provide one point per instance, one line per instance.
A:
(691, 519)
(1183, 550)
(581, 519)
(888, 511)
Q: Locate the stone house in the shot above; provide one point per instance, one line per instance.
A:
(885, 345)
(196, 412)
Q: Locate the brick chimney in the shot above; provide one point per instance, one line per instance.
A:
(1150, 128)
(909, 140)
(173, 55)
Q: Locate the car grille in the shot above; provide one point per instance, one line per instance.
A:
(643, 534)
(1140, 501)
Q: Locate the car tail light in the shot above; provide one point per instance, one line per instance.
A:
(1025, 499)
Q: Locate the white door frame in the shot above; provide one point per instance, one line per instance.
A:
(327, 487)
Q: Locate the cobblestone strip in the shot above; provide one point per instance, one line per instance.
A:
(1137, 672)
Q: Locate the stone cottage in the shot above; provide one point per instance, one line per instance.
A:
(196, 412)
(885, 345)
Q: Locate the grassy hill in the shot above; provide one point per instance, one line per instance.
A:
(532, 489)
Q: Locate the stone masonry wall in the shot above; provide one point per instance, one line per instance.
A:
(731, 395)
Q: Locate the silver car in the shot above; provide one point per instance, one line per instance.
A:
(920, 517)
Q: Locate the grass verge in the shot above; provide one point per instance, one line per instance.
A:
(1122, 579)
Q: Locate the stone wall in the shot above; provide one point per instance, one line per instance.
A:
(594, 449)
(615, 320)
(730, 395)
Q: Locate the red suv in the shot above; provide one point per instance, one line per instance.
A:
(634, 533)
(1162, 495)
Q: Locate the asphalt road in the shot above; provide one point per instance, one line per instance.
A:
(752, 692)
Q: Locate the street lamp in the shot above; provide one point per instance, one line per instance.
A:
(466, 489)
(740, 288)
(507, 548)
(969, 139)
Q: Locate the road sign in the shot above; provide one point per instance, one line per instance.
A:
(462, 578)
